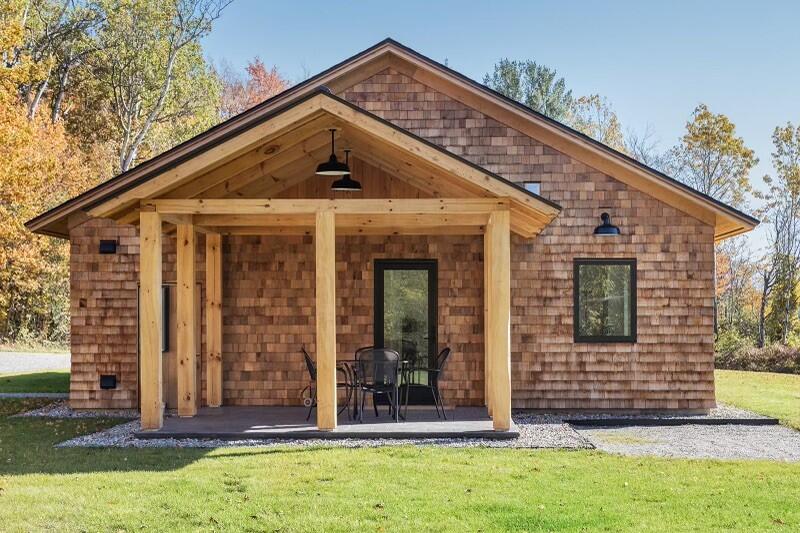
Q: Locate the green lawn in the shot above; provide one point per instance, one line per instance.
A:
(35, 382)
(776, 395)
(386, 489)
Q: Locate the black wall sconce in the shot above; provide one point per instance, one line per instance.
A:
(606, 228)
(108, 247)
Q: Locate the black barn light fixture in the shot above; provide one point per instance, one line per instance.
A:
(346, 183)
(332, 167)
(606, 228)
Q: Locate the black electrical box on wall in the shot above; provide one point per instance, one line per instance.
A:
(108, 247)
(108, 381)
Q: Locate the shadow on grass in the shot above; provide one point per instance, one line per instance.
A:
(27, 446)
(36, 382)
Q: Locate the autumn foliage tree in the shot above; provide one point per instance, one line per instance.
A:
(34, 275)
(86, 89)
(240, 93)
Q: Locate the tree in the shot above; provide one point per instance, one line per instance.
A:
(34, 274)
(735, 270)
(240, 94)
(594, 116)
(712, 159)
(782, 202)
(643, 147)
(154, 68)
(534, 85)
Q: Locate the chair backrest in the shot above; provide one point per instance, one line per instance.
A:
(378, 366)
(441, 359)
(312, 368)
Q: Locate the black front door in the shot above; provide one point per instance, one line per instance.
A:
(406, 314)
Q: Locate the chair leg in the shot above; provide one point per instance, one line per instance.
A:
(441, 402)
(361, 411)
(435, 402)
(375, 404)
(313, 404)
(405, 403)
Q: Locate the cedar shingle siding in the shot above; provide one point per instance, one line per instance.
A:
(269, 296)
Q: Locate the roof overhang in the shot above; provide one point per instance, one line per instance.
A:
(726, 220)
(296, 134)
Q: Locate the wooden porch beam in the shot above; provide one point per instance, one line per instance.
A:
(498, 234)
(185, 318)
(214, 319)
(366, 230)
(325, 246)
(150, 320)
(268, 206)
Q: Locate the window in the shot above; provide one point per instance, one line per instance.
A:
(533, 186)
(605, 300)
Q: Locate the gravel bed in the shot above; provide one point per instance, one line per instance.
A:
(699, 441)
(536, 431)
(63, 410)
(721, 411)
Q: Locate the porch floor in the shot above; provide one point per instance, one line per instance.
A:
(238, 423)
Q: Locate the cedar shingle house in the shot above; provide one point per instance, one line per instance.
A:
(197, 275)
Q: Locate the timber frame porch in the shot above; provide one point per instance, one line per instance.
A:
(323, 219)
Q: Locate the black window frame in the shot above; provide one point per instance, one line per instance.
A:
(432, 268)
(577, 337)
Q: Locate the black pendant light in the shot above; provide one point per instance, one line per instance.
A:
(346, 183)
(606, 228)
(332, 167)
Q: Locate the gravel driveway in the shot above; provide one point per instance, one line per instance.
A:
(21, 362)
(699, 441)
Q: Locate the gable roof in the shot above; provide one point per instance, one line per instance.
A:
(307, 114)
(726, 220)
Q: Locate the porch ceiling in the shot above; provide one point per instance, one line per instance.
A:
(283, 151)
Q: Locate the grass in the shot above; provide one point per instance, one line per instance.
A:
(775, 395)
(382, 489)
(35, 382)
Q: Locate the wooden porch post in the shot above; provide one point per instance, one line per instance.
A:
(186, 328)
(499, 265)
(150, 320)
(325, 243)
(487, 303)
(214, 319)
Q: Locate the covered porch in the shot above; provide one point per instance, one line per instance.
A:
(261, 182)
(246, 423)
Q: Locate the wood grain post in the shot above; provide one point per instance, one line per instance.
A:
(325, 243)
(487, 345)
(214, 319)
(186, 324)
(150, 320)
(499, 264)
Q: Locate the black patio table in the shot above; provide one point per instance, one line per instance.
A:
(351, 377)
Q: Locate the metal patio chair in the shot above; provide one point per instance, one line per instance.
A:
(377, 374)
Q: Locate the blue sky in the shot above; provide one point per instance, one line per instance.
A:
(654, 61)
